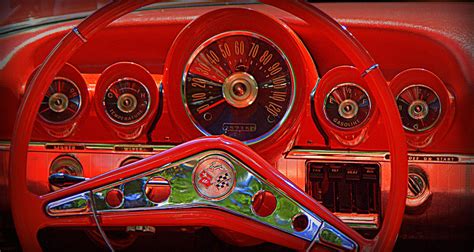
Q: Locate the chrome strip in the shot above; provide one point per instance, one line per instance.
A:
(360, 221)
(377, 156)
(78, 33)
(293, 154)
(73, 205)
(336, 155)
(368, 70)
(88, 147)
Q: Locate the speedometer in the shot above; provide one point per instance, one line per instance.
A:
(239, 84)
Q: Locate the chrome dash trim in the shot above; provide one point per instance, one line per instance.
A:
(74, 205)
(336, 155)
(378, 156)
(360, 221)
(90, 147)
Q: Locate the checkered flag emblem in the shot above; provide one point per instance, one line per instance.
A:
(223, 181)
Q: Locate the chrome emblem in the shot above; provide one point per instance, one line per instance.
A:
(214, 178)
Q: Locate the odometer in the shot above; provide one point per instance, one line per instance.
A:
(239, 84)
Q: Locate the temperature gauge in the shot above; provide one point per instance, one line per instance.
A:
(126, 101)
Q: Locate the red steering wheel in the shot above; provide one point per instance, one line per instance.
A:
(29, 209)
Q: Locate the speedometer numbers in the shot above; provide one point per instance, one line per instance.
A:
(239, 84)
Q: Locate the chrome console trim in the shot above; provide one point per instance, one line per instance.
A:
(73, 205)
(377, 156)
(183, 195)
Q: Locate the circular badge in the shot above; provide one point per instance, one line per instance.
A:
(214, 178)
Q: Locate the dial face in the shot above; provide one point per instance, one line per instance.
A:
(126, 101)
(239, 84)
(420, 108)
(347, 106)
(61, 103)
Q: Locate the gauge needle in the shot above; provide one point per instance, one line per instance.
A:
(211, 106)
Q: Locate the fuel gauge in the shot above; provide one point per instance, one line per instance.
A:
(347, 106)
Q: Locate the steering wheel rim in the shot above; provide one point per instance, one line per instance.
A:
(97, 21)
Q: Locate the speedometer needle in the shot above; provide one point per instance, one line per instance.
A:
(215, 104)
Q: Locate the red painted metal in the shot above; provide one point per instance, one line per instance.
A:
(28, 224)
(405, 34)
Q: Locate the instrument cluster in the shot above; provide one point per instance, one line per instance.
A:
(342, 105)
(245, 81)
(125, 99)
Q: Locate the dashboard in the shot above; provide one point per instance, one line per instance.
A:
(153, 80)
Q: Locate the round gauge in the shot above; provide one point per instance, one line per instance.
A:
(347, 106)
(419, 106)
(239, 84)
(126, 101)
(61, 103)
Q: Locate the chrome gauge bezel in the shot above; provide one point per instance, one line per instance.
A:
(440, 107)
(136, 120)
(361, 124)
(209, 41)
(79, 107)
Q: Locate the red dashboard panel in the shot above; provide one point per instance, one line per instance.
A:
(444, 60)
(427, 63)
